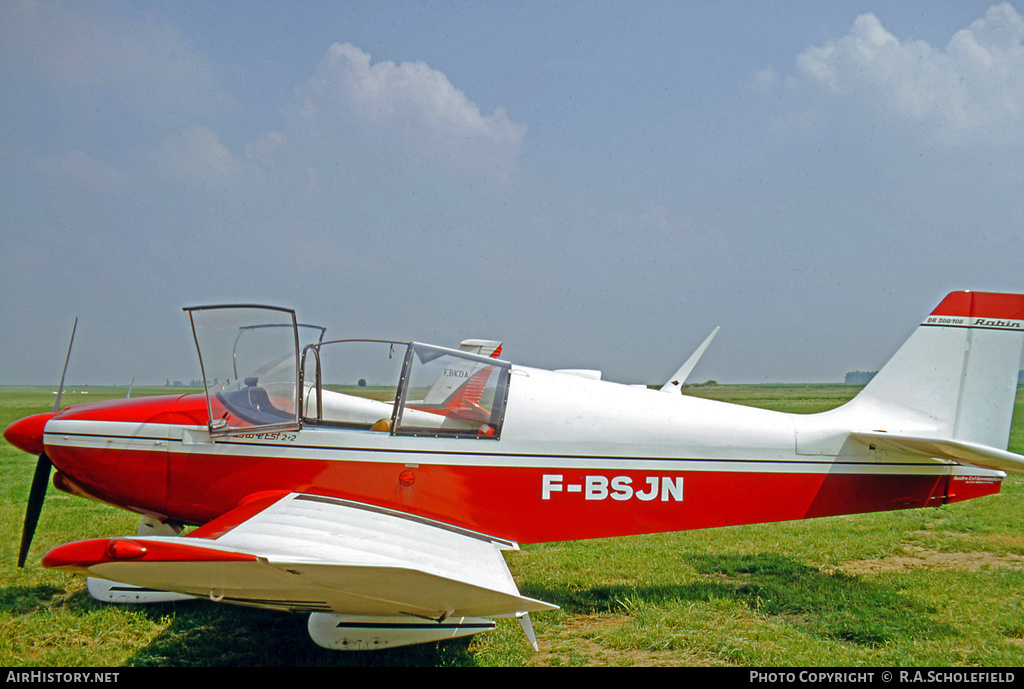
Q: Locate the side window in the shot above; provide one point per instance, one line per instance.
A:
(451, 393)
(352, 383)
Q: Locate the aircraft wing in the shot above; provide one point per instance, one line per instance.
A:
(959, 451)
(312, 553)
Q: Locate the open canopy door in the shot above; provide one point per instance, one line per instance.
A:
(249, 356)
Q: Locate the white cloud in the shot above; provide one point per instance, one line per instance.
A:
(410, 102)
(198, 155)
(973, 90)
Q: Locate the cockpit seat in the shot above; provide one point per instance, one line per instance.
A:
(259, 399)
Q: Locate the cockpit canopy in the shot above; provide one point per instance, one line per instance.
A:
(265, 372)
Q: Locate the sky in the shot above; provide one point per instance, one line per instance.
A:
(597, 184)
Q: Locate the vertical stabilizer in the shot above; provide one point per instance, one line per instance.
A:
(958, 371)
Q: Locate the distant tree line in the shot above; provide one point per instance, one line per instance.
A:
(859, 377)
(863, 377)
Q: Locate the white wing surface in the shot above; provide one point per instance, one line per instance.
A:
(317, 554)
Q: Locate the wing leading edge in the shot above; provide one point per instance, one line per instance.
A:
(310, 553)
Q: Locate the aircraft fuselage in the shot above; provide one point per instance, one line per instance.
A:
(577, 458)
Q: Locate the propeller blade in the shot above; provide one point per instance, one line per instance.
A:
(60, 390)
(40, 480)
(41, 477)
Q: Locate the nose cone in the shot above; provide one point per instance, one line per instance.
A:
(27, 434)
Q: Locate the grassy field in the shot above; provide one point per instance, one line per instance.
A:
(936, 587)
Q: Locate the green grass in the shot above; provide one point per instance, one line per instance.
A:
(940, 587)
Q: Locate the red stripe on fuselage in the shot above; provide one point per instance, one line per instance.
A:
(512, 501)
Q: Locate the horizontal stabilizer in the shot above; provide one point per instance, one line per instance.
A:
(959, 451)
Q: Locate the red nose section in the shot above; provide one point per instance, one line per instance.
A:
(27, 434)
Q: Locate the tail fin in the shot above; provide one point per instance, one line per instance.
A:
(491, 348)
(958, 371)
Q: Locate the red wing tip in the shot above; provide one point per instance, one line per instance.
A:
(81, 555)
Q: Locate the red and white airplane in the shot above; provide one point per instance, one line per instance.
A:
(374, 484)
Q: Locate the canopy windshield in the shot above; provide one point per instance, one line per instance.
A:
(249, 358)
